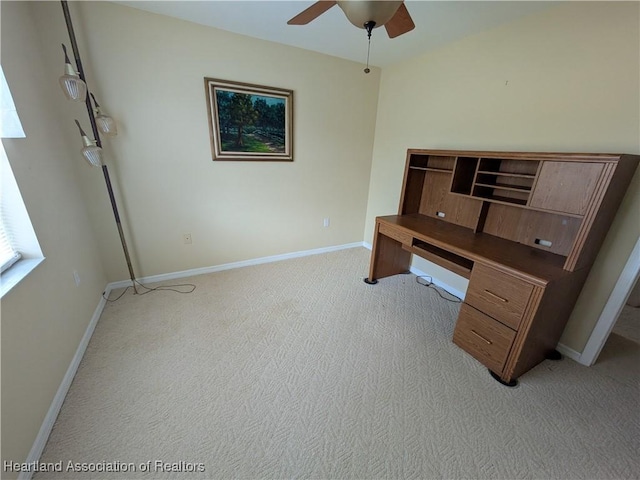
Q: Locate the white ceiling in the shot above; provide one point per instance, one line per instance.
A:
(437, 23)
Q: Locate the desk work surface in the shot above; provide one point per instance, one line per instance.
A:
(538, 265)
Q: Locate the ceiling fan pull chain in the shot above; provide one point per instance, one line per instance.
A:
(367, 70)
(368, 26)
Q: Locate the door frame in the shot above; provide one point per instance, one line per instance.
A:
(613, 307)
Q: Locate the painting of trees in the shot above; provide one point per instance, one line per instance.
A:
(251, 122)
(242, 114)
(224, 118)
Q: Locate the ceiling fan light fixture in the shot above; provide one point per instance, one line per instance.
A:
(361, 12)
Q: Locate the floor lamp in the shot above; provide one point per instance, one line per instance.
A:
(74, 86)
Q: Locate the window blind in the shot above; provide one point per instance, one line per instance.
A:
(10, 127)
(8, 255)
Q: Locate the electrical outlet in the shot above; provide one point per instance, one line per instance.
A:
(186, 238)
(76, 278)
(544, 243)
(326, 222)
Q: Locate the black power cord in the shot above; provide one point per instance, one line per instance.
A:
(172, 288)
(450, 297)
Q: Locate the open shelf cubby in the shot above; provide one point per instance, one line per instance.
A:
(465, 171)
(498, 194)
(524, 168)
(495, 179)
(434, 163)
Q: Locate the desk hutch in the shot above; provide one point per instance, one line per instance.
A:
(524, 228)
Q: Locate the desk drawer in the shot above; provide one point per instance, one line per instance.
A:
(395, 233)
(498, 294)
(481, 336)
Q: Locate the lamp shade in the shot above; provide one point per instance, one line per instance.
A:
(359, 12)
(105, 123)
(91, 152)
(72, 85)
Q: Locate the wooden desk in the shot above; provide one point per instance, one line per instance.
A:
(510, 223)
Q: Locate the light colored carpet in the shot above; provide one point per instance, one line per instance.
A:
(298, 369)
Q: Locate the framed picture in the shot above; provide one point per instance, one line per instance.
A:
(249, 122)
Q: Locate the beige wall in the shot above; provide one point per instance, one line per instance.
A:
(45, 316)
(566, 79)
(148, 72)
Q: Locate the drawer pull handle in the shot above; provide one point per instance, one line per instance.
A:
(496, 296)
(489, 342)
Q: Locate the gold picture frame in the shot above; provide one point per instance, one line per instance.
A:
(249, 122)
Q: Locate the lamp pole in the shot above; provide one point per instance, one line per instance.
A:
(96, 135)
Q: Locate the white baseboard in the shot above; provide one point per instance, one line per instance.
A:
(229, 266)
(435, 281)
(438, 283)
(56, 404)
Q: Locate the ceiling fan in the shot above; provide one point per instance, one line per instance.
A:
(364, 14)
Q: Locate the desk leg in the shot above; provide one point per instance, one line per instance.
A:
(387, 258)
(511, 383)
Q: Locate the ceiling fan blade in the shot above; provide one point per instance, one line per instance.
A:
(400, 23)
(311, 13)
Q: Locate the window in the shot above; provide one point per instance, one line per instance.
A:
(8, 255)
(10, 126)
(20, 252)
